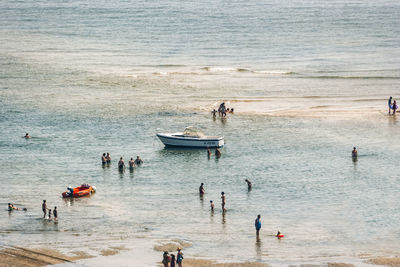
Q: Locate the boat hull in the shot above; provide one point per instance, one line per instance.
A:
(170, 140)
(79, 192)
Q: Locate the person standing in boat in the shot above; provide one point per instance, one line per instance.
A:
(121, 164)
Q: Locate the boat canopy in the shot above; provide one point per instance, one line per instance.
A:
(193, 131)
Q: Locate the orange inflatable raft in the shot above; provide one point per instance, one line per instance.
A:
(80, 191)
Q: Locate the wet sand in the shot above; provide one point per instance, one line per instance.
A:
(17, 256)
(394, 262)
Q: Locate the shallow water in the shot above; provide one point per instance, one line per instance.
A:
(308, 81)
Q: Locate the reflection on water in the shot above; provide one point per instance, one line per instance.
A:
(258, 246)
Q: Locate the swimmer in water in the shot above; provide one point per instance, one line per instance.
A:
(248, 184)
(257, 224)
(103, 159)
(217, 153)
(201, 189)
(55, 213)
(212, 205)
(108, 158)
(121, 164)
(11, 207)
(138, 161)
(44, 208)
(223, 201)
(27, 136)
(354, 153)
(131, 164)
(214, 112)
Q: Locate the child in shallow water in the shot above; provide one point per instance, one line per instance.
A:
(172, 260)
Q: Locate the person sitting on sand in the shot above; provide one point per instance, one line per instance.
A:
(44, 208)
(121, 164)
(165, 259)
(212, 205)
(217, 153)
(179, 257)
(131, 164)
(103, 159)
(248, 184)
(55, 213)
(354, 153)
(201, 189)
(138, 161)
(27, 136)
(108, 158)
(172, 260)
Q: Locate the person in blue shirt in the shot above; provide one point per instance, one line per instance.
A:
(179, 257)
(257, 224)
(390, 104)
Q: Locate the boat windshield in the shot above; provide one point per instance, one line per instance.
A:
(193, 131)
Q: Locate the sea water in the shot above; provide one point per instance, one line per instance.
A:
(308, 81)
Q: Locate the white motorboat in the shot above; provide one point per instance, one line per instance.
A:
(190, 137)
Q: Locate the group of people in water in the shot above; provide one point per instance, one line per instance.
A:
(222, 110)
(217, 153)
(392, 106)
(48, 212)
(169, 260)
(257, 222)
(106, 159)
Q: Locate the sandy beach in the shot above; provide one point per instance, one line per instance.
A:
(18, 256)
